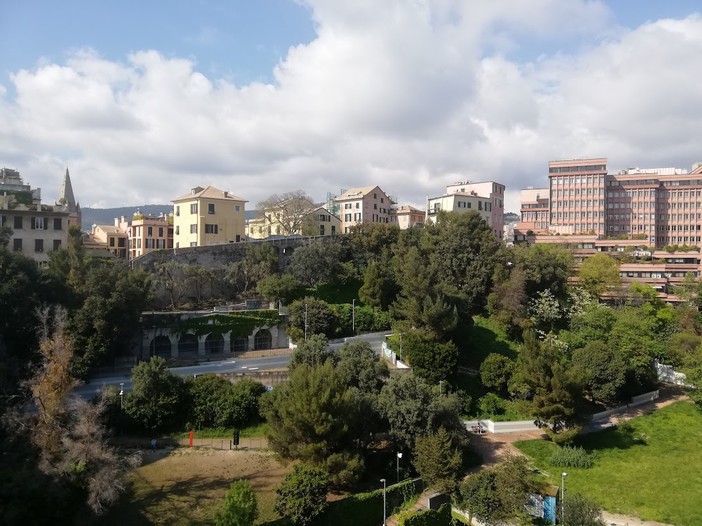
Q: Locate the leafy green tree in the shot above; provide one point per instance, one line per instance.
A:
(369, 241)
(302, 495)
(413, 409)
(430, 359)
(309, 316)
(438, 461)
(545, 267)
(508, 299)
(157, 397)
(246, 401)
(594, 322)
(313, 351)
(170, 280)
(259, 262)
(312, 416)
(379, 287)
(580, 511)
(240, 506)
(496, 372)
(545, 310)
(604, 371)
(276, 288)
(317, 263)
(599, 274)
(684, 349)
(211, 397)
(103, 327)
(361, 368)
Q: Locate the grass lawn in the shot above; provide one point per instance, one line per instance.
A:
(650, 468)
(256, 431)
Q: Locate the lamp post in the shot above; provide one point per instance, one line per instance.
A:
(305, 321)
(384, 501)
(353, 315)
(563, 477)
(399, 456)
(121, 396)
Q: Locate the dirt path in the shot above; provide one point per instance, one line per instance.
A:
(614, 519)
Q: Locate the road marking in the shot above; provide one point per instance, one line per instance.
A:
(253, 368)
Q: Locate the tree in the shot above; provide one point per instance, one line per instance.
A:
(361, 368)
(431, 360)
(171, 278)
(604, 371)
(246, 401)
(287, 211)
(599, 273)
(545, 267)
(317, 263)
(157, 398)
(580, 511)
(545, 310)
(260, 262)
(240, 506)
(283, 289)
(508, 299)
(212, 400)
(313, 351)
(497, 495)
(379, 287)
(302, 495)
(438, 461)
(309, 316)
(496, 372)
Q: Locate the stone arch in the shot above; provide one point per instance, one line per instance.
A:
(214, 343)
(160, 346)
(263, 340)
(187, 345)
(288, 251)
(239, 344)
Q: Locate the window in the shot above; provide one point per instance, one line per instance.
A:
(347, 217)
(193, 243)
(112, 241)
(58, 224)
(358, 205)
(193, 229)
(150, 231)
(333, 229)
(121, 242)
(211, 229)
(57, 244)
(160, 231)
(38, 245)
(177, 211)
(321, 230)
(17, 245)
(18, 224)
(210, 208)
(237, 208)
(177, 230)
(39, 223)
(193, 208)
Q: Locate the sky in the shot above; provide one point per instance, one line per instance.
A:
(143, 100)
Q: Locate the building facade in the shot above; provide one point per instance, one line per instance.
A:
(37, 228)
(147, 233)
(408, 216)
(208, 216)
(486, 198)
(534, 212)
(364, 205)
(111, 238)
(316, 221)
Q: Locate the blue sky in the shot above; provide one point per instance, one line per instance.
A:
(142, 100)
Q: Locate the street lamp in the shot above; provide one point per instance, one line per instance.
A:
(305, 321)
(384, 501)
(399, 456)
(121, 396)
(563, 477)
(353, 315)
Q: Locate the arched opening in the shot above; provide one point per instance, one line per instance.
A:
(160, 346)
(214, 343)
(288, 251)
(239, 344)
(187, 345)
(263, 340)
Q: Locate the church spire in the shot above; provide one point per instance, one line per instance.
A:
(66, 196)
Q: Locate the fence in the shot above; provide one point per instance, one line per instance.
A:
(635, 401)
(667, 374)
(514, 426)
(225, 443)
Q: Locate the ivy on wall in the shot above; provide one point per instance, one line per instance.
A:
(239, 324)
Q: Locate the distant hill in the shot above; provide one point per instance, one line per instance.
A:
(511, 217)
(106, 216)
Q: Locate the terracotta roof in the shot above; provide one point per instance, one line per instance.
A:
(406, 209)
(356, 193)
(208, 193)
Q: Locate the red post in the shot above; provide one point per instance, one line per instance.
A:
(191, 438)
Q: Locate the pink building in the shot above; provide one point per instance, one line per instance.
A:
(147, 233)
(364, 205)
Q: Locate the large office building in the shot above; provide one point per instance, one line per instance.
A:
(662, 206)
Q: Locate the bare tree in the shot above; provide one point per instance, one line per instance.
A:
(67, 431)
(287, 211)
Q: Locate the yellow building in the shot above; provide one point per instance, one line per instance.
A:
(208, 216)
(316, 221)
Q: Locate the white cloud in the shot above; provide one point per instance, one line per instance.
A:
(408, 95)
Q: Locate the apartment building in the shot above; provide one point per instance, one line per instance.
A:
(36, 228)
(486, 198)
(534, 212)
(208, 216)
(315, 221)
(147, 233)
(407, 216)
(110, 238)
(364, 205)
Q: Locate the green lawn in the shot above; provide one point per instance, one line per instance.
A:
(650, 468)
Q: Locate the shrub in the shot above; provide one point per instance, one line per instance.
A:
(491, 404)
(571, 457)
(564, 437)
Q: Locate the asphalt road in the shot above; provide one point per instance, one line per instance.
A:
(95, 385)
